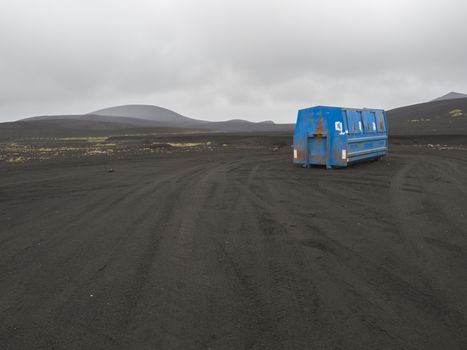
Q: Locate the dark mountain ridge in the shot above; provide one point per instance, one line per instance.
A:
(440, 117)
(126, 119)
(443, 116)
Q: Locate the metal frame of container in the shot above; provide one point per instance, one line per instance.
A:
(337, 137)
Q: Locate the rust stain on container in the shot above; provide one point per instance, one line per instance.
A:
(381, 124)
(319, 128)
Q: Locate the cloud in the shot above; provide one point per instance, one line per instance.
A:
(226, 59)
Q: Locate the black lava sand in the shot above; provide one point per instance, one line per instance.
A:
(235, 249)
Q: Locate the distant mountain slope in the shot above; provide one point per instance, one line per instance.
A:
(451, 96)
(162, 117)
(127, 119)
(443, 117)
(168, 118)
(147, 112)
(71, 119)
(79, 126)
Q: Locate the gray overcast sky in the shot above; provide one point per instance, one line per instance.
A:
(217, 60)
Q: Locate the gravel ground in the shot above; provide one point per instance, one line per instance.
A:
(235, 249)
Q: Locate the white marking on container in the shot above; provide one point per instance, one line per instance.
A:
(295, 154)
(338, 126)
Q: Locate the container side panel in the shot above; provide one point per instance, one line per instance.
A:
(369, 118)
(372, 141)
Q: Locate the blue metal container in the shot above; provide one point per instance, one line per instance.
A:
(337, 137)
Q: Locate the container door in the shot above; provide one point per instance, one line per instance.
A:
(317, 150)
(354, 122)
(380, 122)
(370, 121)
